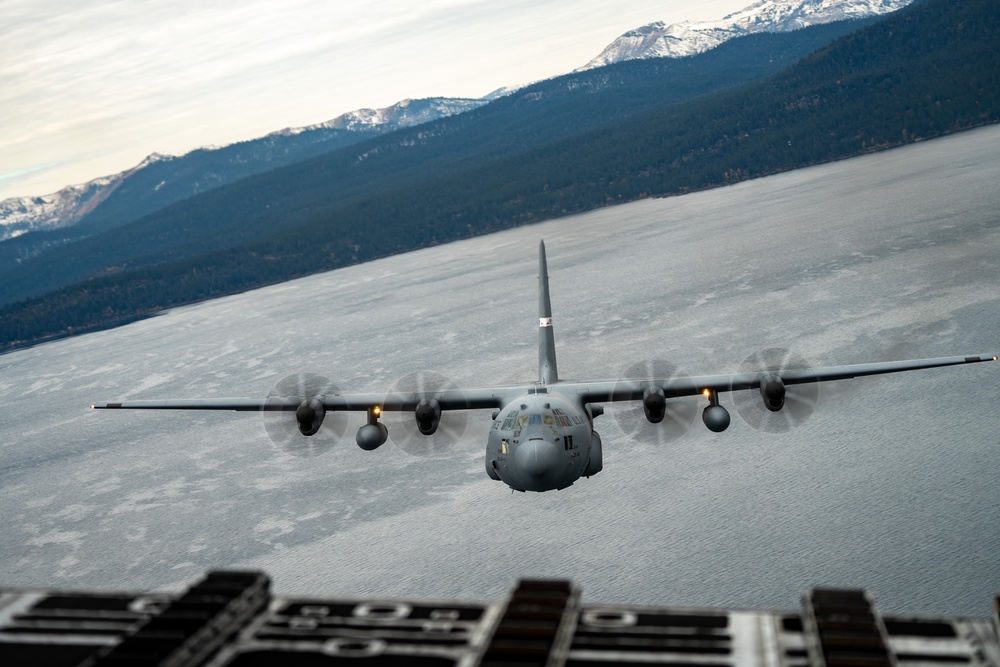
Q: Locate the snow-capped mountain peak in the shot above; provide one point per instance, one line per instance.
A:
(19, 215)
(65, 208)
(405, 113)
(676, 40)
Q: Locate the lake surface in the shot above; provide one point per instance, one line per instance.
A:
(891, 485)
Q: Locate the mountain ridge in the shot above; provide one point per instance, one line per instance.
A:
(537, 115)
(659, 40)
(163, 185)
(72, 204)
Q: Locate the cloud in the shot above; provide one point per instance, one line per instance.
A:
(89, 89)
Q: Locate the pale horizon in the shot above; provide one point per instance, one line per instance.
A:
(91, 91)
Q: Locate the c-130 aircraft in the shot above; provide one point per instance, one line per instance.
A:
(543, 435)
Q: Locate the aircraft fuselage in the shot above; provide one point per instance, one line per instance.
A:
(541, 442)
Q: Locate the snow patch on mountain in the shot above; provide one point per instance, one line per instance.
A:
(20, 215)
(676, 40)
(405, 113)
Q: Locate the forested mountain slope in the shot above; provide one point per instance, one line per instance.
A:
(535, 116)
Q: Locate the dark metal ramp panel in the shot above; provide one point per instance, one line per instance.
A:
(230, 619)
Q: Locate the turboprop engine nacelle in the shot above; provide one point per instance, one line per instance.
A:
(310, 415)
(772, 391)
(654, 404)
(428, 414)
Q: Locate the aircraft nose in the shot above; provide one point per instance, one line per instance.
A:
(536, 457)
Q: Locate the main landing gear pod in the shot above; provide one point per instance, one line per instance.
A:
(596, 462)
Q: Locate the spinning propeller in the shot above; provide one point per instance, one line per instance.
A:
(654, 418)
(295, 419)
(427, 430)
(775, 407)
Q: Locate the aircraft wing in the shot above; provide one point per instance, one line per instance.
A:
(470, 399)
(428, 406)
(590, 392)
(631, 390)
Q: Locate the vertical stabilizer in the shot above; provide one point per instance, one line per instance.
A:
(547, 373)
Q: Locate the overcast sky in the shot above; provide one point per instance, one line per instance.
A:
(89, 89)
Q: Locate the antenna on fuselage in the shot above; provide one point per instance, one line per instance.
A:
(547, 373)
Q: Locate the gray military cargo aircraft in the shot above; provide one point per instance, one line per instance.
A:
(543, 435)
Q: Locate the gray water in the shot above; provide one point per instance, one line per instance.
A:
(891, 485)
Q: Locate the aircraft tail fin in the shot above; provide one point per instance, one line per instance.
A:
(547, 372)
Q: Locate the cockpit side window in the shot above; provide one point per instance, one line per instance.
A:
(509, 422)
